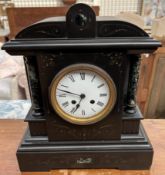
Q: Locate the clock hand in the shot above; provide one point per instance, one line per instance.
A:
(82, 96)
(77, 106)
(69, 92)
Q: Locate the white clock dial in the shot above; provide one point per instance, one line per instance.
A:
(91, 85)
(82, 93)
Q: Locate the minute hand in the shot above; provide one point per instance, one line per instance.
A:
(68, 92)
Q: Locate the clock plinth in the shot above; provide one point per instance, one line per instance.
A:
(82, 72)
(130, 152)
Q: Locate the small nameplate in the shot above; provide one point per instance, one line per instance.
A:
(84, 161)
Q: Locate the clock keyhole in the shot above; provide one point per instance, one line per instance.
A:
(73, 102)
(92, 101)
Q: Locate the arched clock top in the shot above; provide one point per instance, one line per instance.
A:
(53, 29)
(81, 30)
(81, 22)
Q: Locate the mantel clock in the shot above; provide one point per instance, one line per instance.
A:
(82, 72)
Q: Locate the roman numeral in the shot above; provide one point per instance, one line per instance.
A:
(93, 110)
(101, 85)
(64, 86)
(103, 95)
(65, 104)
(71, 78)
(82, 75)
(62, 95)
(83, 112)
(72, 111)
(99, 103)
(93, 78)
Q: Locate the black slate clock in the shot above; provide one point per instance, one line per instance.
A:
(82, 72)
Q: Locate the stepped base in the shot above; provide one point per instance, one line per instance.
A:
(131, 152)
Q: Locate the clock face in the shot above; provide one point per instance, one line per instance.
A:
(82, 94)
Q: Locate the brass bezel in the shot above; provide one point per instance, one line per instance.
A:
(83, 121)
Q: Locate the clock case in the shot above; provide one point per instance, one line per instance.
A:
(119, 140)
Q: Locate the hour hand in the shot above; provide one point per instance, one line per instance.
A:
(75, 109)
(78, 105)
(68, 92)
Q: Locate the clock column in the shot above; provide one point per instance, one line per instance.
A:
(132, 115)
(34, 86)
(132, 84)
